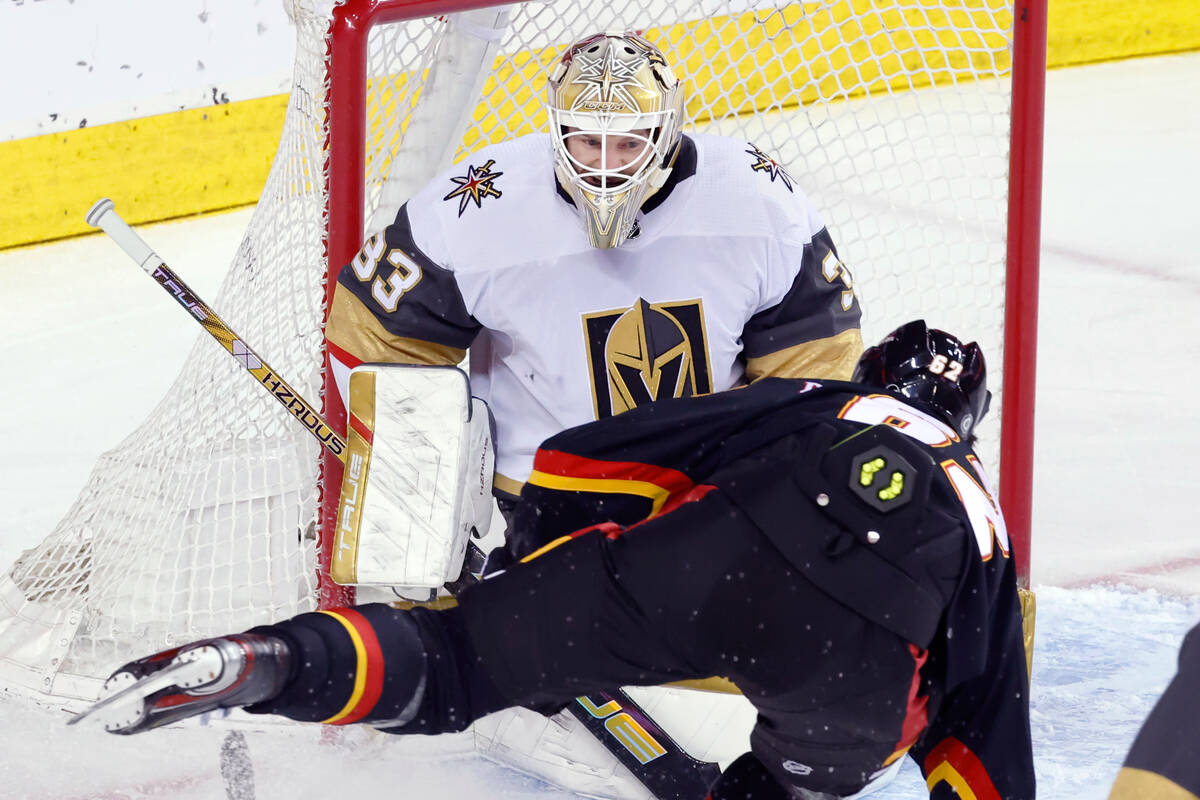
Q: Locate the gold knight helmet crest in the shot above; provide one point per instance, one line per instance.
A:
(648, 357)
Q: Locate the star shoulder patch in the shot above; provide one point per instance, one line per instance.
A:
(764, 163)
(474, 186)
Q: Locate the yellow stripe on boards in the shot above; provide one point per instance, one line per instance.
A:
(1085, 31)
(360, 669)
(835, 51)
(217, 157)
(155, 168)
(851, 43)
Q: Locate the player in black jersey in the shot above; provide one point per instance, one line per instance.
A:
(833, 549)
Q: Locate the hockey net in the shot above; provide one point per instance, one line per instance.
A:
(892, 115)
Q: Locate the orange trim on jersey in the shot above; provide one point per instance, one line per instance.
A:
(948, 433)
(368, 668)
(953, 762)
(856, 400)
(998, 541)
(553, 469)
(916, 714)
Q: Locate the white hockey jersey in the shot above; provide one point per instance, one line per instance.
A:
(731, 276)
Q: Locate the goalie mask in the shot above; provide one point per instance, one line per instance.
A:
(933, 368)
(615, 115)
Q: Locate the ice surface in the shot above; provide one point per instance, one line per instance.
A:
(88, 344)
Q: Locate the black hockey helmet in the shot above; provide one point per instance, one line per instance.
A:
(932, 368)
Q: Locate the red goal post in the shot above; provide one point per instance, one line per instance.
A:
(1021, 286)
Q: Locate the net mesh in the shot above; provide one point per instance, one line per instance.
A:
(892, 115)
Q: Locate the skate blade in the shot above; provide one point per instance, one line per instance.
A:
(125, 707)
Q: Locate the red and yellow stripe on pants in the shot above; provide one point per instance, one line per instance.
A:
(368, 670)
(953, 762)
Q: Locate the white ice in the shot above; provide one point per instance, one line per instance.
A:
(88, 345)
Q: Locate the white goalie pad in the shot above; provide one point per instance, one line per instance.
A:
(418, 477)
(709, 726)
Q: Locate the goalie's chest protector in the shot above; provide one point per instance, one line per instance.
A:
(573, 333)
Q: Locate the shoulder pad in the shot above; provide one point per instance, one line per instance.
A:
(876, 467)
(881, 469)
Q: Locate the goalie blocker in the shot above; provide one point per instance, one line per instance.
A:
(418, 478)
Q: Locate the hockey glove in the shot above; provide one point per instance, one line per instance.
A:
(236, 670)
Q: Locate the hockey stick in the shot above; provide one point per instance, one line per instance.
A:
(103, 215)
(614, 718)
(643, 747)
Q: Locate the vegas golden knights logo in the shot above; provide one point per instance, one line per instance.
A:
(648, 352)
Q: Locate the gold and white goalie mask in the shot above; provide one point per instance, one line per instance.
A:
(615, 115)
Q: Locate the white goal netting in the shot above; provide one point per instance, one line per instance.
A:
(892, 115)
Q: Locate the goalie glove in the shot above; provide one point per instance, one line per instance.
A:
(236, 670)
